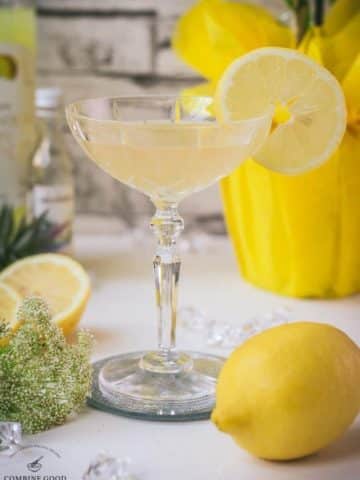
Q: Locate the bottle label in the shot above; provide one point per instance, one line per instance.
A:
(16, 81)
(17, 131)
(58, 202)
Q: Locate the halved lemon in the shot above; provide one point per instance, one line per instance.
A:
(58, 279)
(9, 302)
(309, 118)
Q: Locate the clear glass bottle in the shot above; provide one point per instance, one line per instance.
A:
(17, 80)
(52, 182)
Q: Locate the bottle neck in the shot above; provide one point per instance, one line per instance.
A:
(51, 152)
(51, 118)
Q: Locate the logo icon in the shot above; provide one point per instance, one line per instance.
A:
(35, 466)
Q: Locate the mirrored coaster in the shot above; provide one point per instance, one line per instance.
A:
(122, 385)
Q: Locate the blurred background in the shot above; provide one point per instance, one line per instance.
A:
(87, 48)
(114, 47)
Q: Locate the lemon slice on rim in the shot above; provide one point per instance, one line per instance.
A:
(9, 302)
(58, 279)
(309, 118)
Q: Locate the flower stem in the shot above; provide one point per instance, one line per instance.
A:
(318, 12)
(307, 12)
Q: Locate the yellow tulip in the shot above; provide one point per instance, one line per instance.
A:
(205, 89)
(341, 49)
(215, 32)
(339, 15)
(300, 235)
(351, 87)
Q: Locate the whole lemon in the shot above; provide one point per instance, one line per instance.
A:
(289, 391)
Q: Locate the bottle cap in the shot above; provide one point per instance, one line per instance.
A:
(49, 97)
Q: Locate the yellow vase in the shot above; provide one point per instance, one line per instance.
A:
(299, 236)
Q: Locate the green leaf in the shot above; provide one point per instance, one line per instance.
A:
(24, 241)
(6, 225)
(290, 3)
(20, 238)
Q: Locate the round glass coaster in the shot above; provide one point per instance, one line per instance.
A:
(121, 386)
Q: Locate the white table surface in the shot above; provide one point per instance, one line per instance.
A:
(121, 315)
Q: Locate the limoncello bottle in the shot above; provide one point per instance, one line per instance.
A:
(17, 80)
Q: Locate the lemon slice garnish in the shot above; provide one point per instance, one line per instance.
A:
(309, 118)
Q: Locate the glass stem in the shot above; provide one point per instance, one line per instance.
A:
(167, 226)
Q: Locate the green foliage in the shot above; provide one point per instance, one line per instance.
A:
(43, 379)
(19, 238)
(302, 9)
(307, 12)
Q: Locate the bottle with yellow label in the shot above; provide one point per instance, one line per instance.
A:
(17, 80)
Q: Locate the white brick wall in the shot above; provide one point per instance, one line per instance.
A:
(162, 7)
(114, 47)
(112, 44)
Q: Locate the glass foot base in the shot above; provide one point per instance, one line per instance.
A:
(124, 385)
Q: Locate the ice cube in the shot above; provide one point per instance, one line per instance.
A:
(106, 467)
(194, 319)
(10, 437)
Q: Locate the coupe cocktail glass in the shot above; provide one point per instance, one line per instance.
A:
(167, 147)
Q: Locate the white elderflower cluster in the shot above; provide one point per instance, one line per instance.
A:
(43, 379)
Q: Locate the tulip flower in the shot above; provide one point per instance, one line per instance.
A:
(299, 235)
